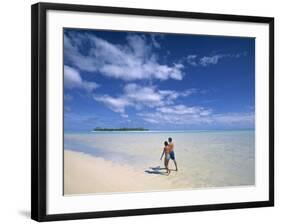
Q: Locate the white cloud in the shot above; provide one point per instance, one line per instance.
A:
(173, 119)
(115, 104)
(204, 61)
(194, 60)
(125, 116)
(72, 79)
(139, 46)
(172, 95)
(183, 115)
(182, 110)
(155, 43)
(134, 60)
(73, 55)
(143, 95)
(191, 59)
(234, 118)
(178, 115)
(138, 96)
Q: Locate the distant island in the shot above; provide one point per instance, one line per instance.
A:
(120, 129)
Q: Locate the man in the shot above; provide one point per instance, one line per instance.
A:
(172, 152)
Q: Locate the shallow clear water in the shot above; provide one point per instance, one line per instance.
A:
(205, 158)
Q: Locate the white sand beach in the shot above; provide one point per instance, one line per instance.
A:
(84, 174)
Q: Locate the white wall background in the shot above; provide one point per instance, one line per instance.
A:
(15, 110)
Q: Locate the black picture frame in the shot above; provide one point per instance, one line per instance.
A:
(39, 116)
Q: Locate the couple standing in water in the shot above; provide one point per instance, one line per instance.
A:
(169, 154)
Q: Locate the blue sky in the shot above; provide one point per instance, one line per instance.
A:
(157, 81)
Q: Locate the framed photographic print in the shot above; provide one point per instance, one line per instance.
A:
(139, 111)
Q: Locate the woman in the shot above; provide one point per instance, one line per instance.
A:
(166, 151)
